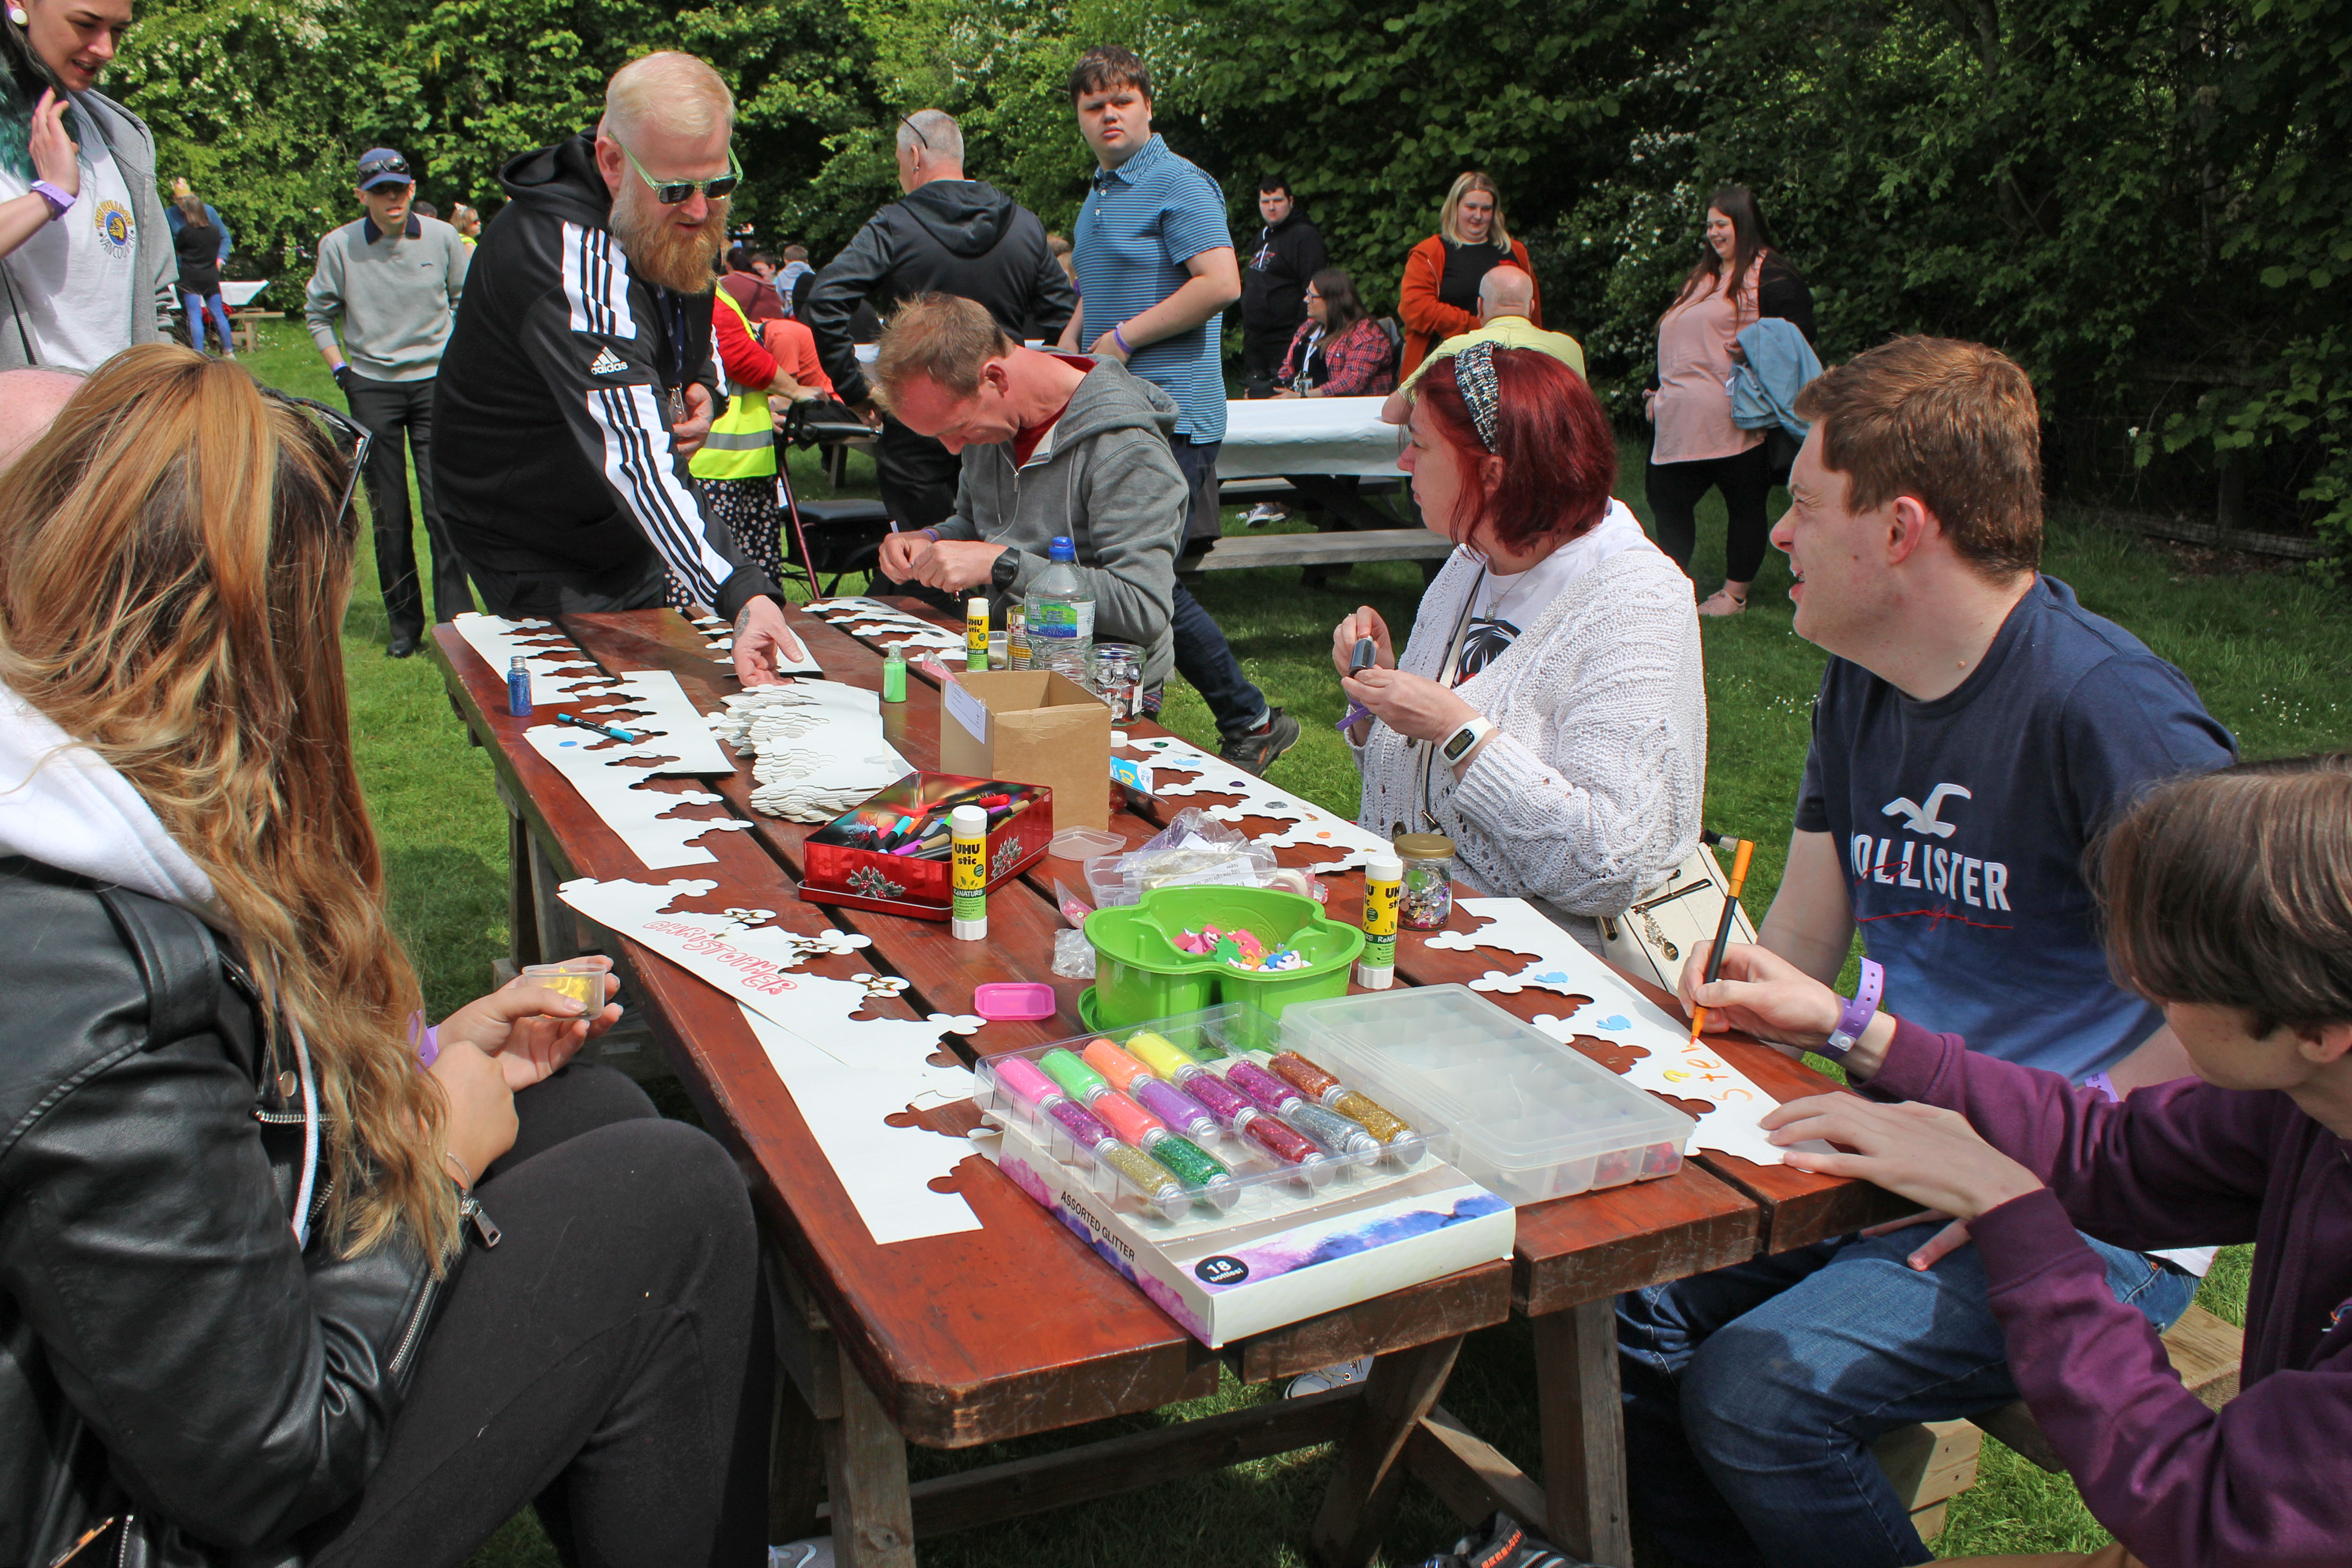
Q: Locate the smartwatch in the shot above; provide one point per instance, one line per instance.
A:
(1456, 746)
(1004, 569)
(1858, 1013)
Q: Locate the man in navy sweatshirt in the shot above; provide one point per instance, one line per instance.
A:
(2229, 896)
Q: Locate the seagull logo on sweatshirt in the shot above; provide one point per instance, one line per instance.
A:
(607, 363)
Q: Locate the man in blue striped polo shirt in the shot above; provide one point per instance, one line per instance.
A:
(1156, 271)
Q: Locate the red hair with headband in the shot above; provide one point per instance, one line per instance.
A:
(1558, 456)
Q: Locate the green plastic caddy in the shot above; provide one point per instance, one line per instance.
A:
(1140, 973)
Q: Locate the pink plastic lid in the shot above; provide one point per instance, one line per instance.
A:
(1006, 1000)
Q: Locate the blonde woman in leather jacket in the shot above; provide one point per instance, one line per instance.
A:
(284, 1277)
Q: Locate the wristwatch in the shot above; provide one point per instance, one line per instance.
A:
(1456, 746)
(1005, 568)
(1859, 1012)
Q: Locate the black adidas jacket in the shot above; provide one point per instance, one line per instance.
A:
(964, 238)
(552, 445)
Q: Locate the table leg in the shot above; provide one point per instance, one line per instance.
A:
(1362, 1498)
(795, 1466)
(1583, 1432)
(865, 1465)
(522, 904)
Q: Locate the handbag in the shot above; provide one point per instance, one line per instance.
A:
(1654, 937)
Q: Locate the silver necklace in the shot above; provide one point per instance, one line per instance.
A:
(1494, 605)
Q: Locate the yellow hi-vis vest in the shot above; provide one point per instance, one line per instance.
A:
(742, 444)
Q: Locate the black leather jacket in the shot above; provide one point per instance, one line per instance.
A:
(169, 1358)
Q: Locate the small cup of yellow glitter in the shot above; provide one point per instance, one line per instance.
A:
(581, 979)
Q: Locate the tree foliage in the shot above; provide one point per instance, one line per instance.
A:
(2137, 197)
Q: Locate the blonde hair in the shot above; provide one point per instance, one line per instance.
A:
(1450, 226)
(680, 92)
(173, 573)
(944, 337)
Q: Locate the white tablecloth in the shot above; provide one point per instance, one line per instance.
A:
(237, 296)
(1274, 436)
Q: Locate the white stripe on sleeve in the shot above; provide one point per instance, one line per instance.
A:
(596, 291)
(638, 465)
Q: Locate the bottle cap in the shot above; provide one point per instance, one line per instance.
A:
(968, 822)
(1062, 549)
(1378, 868)
(976, 607)
(1423, 847)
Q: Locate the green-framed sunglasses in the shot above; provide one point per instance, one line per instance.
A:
(669, 193)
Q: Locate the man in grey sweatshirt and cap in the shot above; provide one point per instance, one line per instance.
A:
(1052, 445)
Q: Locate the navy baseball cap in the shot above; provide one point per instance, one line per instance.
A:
(382, 166)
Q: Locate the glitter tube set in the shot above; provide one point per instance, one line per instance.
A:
(1147, 1109)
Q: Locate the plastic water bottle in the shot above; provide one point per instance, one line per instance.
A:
(1060, 611)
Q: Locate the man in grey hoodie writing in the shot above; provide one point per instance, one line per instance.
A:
(1050, 445)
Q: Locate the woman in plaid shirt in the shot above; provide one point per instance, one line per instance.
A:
(1339, 351)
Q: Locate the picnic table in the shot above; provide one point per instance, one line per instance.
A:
(1016, 1329)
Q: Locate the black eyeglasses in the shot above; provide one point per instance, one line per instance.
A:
(918, 131)
(343, 427)
(372, 167)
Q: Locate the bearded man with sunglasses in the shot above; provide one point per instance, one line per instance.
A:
(579, 378)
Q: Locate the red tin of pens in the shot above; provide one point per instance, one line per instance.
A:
(892, 852)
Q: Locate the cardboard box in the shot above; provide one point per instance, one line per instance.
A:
(1030, 726)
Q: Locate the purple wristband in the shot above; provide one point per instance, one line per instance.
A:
(426, 1039)
(60, 201)
(1858, 1013)
(1118, 335)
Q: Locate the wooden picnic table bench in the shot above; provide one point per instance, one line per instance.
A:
(937, 1341)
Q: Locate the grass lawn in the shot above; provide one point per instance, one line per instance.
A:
(2267, 649)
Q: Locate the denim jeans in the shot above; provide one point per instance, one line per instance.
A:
(1753, 1395)
(203, 308)
(1202, 655)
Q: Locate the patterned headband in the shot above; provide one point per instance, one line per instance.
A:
(1474, 372)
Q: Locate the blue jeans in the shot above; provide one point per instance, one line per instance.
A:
(1753, 1395)
(1202, 655)
(200, 306)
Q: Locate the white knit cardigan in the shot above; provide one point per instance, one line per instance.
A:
(1589, 793)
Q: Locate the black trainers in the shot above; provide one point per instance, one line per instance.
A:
(1505, 1542)
(1255, 751)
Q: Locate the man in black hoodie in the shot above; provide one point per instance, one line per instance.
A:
(1289, 251)
(946, 236)
(578, 377)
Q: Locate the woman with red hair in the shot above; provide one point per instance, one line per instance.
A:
(1548, 714)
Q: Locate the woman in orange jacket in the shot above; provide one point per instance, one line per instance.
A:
(1440, 295)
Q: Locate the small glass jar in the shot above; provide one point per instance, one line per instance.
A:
(1425, 902)
(1118, 678)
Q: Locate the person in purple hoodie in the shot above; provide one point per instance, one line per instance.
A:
(2228, 904)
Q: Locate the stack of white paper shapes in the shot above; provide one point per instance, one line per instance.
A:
(819, 747)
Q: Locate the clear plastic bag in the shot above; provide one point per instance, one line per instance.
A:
(1073, 955)
(1191, 850)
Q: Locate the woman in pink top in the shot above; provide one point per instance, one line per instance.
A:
(1697, 447)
